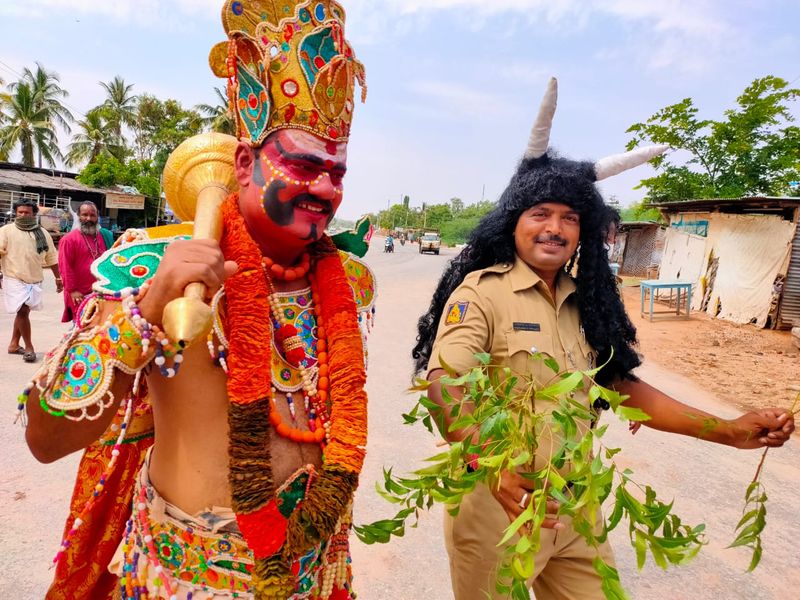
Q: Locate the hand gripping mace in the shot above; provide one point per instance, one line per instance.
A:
(197, 178)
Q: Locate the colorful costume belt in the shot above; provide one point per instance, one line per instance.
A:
(205, 557)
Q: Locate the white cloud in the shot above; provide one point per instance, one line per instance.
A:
(455, 100)
(706, 17)
(164, 13)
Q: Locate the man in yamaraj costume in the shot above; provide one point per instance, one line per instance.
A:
(260, 433)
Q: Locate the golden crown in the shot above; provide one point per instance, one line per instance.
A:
(288, 66)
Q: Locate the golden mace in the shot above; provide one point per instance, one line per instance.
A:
(197, 178)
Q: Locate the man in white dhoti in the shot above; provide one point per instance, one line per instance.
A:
(26, 249)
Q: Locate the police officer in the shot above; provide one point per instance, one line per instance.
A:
(510, 294)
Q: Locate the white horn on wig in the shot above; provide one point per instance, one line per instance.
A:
(540, 135)
(617, 163)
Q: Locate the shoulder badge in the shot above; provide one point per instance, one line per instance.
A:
(456, 313)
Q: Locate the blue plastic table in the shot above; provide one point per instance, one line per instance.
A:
(654, 286)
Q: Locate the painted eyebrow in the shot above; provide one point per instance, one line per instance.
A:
(309, 158)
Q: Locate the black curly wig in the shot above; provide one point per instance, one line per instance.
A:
(549, 179)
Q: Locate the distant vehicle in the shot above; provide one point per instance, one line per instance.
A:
(430, 242)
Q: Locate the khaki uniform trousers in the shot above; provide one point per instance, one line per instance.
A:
(564, 569)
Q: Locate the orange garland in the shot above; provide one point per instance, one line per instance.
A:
(250, 413)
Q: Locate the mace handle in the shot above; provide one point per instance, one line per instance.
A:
(189, 319)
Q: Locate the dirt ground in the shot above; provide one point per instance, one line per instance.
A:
(748, 367)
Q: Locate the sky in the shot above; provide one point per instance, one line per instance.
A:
(454, 85)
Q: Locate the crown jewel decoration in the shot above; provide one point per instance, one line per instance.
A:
(288, 65)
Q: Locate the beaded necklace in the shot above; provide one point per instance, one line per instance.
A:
(295, 353)
(94, 254)
(298, 309)
(296, 364)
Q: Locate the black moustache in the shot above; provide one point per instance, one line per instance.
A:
(552, 238)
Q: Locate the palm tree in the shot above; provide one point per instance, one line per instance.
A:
(47, 95)
(120, 104)
(29, 125)
(218, 117)
(96, 137)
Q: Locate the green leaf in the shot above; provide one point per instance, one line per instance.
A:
(451, 372)
(658, 555)
(629, 413)
(523, 518)
(610, 584)
(640, 544)
(523, 566)
(556, 480)
(484, 358)
(756, 558)
(564, 386)
(420, 385)
(552, 364)
(594, 394)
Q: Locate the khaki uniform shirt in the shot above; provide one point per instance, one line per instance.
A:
(18, 257)
(508, 312)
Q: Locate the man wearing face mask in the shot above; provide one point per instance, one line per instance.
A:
(26, 248)
(237, 498)
(76, 252)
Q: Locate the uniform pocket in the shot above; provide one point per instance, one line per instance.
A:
(521, 346)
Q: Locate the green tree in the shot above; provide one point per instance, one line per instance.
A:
(479, 209)
(456, 206)
(107, 171)
(160, 127)
(436, 215)
(48, 97)
(27, 125)
(120, 105)
(398, 215)
(96, 136)
(218, 116)
(639, 211)
(754, 149)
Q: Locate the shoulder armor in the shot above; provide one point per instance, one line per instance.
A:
(135, 257)
(361, 280)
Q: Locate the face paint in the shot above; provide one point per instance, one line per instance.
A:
(297, 184)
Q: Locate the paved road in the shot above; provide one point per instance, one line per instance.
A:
(708, 482)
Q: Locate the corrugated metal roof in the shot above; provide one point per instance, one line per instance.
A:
(639, 224)
(18, 176)
(745, 201)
